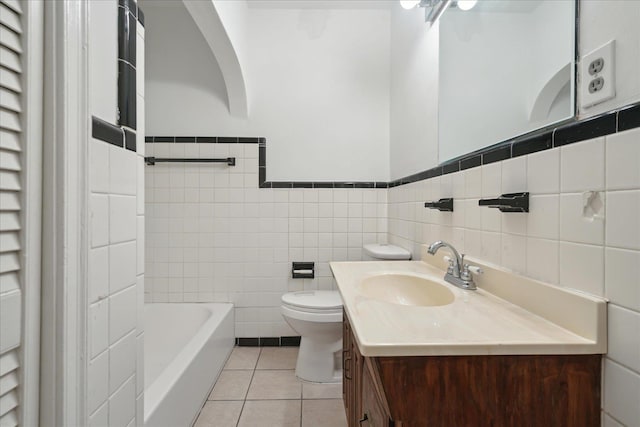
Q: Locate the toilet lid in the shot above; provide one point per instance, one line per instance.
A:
(313, 299)
(383, 251)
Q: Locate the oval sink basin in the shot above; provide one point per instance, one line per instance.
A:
(405, 289)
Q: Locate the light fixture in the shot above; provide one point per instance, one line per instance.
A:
(409, 4)
(433, 8)
(466, 4)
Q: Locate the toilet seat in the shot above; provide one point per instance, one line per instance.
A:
(313, 300)
(319, 316)
(313, 306)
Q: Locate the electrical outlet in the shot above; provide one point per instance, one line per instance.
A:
(596, 84)
(597, 76)
(596, 66)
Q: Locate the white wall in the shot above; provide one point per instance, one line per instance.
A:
(414, 93)
(184, 86)
(601, 21)
(115, 289)
(328, 69)
(234, 17)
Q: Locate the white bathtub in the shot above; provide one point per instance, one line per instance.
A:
(185, 348)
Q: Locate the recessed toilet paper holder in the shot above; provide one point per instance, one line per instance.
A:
(303, 270)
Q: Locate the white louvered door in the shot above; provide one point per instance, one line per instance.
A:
(13, 199)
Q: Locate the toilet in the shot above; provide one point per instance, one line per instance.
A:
(317, 317)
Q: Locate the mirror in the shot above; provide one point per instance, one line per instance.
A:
(506, 68)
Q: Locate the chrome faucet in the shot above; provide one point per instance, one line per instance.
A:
(458, 273)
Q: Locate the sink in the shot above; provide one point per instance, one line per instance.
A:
(406, 289)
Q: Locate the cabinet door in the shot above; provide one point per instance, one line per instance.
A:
(348, 394)
(373, 412)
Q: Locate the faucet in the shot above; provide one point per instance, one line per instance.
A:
(458, 273)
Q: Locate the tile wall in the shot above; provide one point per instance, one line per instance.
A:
(582, 232)
(115, 381)
(213, 235)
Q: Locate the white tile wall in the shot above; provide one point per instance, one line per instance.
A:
(115, 380)
(213, 235)
(582, 166)
(622, 270)
(623, 157)
(98, 391)
(621, 391)
(594, 249)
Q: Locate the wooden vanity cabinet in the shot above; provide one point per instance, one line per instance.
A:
(470, 391)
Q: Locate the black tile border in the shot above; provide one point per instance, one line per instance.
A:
(268, 342)
(127, 35)
(127, 95)
(132, 7)
(290, 341)
(496, 155)
(629, 118)
(130, 140)
(567, 132)
(248, 342)
(140, 16)
(105, 131)
(586, 129)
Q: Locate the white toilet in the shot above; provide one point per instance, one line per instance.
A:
(317, 317)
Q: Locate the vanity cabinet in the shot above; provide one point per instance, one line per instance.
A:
(474, 391)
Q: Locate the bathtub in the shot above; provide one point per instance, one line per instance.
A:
(185, 348)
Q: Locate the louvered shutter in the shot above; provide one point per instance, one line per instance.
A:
(11, 299)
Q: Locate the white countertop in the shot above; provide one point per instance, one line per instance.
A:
(477, 322)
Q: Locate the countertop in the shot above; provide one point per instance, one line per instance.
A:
(477, 322)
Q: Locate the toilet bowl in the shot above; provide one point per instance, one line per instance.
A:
(317, 317)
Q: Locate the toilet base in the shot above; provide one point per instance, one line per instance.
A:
(319, 362)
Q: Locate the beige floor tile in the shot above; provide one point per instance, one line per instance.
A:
(321, 391)
(231, 385)
(270, 413)
(243, 358)
(219, 414)
(323, 413)
(274, 384)
(278, 358)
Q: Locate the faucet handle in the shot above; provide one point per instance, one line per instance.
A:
(474, 269)
(468, 269)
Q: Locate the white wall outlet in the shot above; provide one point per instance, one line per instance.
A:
(597, 76)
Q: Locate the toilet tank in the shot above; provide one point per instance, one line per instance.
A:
(377, 252)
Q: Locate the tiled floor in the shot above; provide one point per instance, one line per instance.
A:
(258, 387)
